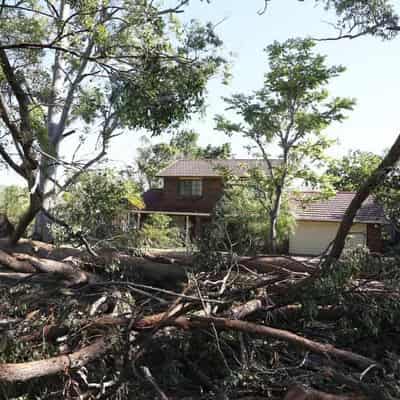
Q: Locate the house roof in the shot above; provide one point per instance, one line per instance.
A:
(210, 168)
(334, 208)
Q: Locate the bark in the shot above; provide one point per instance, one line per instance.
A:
(22, 372)
(29, 264)
(16, 265)
(246, 309)
(49, 258)
(35, 204)
(365, 190)
(48, 167)
(6, 227)
(273, 221)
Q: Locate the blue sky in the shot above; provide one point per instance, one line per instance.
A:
(372, 75)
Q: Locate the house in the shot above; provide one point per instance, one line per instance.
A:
(192, 188)
(317, 222)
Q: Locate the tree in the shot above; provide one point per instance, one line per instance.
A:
(389, 196)
(152, 158)
(13, 201)
(95, 205)
(79, 69)
(240, 223)
(357, 18)
(291, 112)
(350, 171)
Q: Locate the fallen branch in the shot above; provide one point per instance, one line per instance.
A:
(195, 322)
(22, 372)
(287, 336)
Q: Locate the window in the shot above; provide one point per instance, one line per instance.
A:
(190, 188)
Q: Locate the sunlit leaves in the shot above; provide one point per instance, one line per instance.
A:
(291, 111)
(350, 171)
(358, 17)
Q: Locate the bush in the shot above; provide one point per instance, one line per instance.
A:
(97, 206)
(14, 201)
(240, 223)
(158, 232)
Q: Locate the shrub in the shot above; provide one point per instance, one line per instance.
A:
(159, 232)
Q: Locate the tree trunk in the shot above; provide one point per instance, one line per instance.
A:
(273, 221)
(34, 207)
(55, 127)
(365, 190)
(42, 228)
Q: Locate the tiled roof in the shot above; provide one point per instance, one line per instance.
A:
(210, 168)
(334, 208)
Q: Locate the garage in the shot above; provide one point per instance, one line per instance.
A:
(318, 220)
(313, 237)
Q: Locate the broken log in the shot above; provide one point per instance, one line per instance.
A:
(260, 263)
(24, 263)
(153, 271)
(22, 372)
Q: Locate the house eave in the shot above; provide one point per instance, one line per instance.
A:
(356, 221)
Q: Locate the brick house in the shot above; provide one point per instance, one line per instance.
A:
(192, 188)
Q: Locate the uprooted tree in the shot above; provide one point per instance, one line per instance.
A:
(80, 69)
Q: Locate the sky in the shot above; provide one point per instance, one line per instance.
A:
(372, 76)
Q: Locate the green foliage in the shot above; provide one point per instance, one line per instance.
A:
(159, 232)
(14, 201)
(241, 221)
(388, 194)
(290, 113)
(98, 203)
(349, 172)
(98, 66)
(366, 309)
(167, 87)
(352, 170)
(358, 17)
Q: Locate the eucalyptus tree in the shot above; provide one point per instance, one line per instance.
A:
(91, 69)
(290, 113)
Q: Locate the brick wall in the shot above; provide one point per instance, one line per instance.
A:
(374, 238)
(169, 199)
